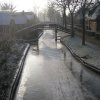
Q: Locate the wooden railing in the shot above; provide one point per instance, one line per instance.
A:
(37, 29)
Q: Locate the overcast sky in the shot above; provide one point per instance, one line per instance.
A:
(27, 5)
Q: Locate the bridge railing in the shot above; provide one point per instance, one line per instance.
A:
(28, 35)
(36, 31)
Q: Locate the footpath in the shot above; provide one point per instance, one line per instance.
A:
(89, 54)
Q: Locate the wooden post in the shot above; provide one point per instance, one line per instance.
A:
(38, 45)
(81, 75)
(55, 34)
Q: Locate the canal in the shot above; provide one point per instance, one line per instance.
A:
(48, 74)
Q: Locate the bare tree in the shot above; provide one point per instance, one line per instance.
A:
(51, 13)
(62, 4)
(54, 15)
(72, 5)
(84, 5)
(6, 6)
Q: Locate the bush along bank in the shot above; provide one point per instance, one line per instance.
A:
(9, 59)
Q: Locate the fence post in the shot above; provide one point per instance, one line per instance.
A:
(55, 34)
(81, 75)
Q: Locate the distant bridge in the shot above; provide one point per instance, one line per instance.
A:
(45, 25)
(38, 28)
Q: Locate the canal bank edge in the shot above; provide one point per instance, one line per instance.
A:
(18, 74)
(90, 66)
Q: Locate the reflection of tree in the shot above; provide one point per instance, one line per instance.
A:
(43, 15)
(61, 4)
(53, 15)
(9, 7)
(35, 9)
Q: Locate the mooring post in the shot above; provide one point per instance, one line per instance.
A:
(37, 46)
(55, 34)
(81, 75)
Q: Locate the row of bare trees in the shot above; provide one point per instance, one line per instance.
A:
(54, 15)
(71, 6)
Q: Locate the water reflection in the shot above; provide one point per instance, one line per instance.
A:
(46, 77)
(88, 78)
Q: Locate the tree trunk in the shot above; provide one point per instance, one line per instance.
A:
(64, 17)
(83, 35)
(72, 25)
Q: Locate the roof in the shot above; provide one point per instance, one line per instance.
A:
(18, 17)
(94, 13)
(29, 15)
(94, 8)
(78, 14)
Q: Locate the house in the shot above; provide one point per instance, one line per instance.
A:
(15, 21)
(94, 18)
(5, 19)
(19, 20)
(31, 17)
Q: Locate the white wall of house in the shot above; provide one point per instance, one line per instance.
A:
(20, 19)
(5, 18)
